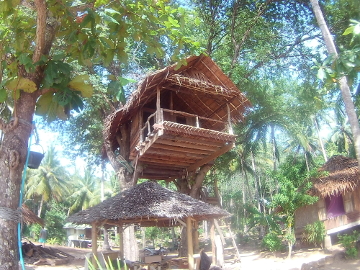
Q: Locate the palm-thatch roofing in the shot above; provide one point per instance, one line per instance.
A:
(199, 85)
(29, 217)
(342, 175)
(147, 204)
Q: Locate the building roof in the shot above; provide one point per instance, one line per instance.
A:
(339, 175)
(147, 204)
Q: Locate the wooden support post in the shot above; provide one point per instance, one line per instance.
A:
(141, 135)
(231, 131)
(190, 243)
(158, 105)
(121, 241)
(212, 237)
(94, 244)
(197, 121)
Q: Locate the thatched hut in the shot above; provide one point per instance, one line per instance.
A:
(148, 204)
(338, 190)
(179, 119)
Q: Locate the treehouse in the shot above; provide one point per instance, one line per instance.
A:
(178, 119)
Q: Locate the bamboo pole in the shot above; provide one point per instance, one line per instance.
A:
(190, 243)
(94, 244)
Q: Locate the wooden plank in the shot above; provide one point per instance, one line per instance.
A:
(186, 144)
(199, 141)
(177, 154)
(170, 147)
(178, 163)
(211, 157)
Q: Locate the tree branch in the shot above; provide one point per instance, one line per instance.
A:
(199, 179)
(40, 29)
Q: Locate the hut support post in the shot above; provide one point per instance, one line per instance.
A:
(94, 244)
(121, 243)
(231, 131)
(190, 243)
(212, 237)
(158, 106)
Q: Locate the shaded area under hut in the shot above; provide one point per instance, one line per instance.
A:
(148, 204)
(338, 189)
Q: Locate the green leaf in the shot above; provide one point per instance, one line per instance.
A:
(125, 81)
(349, 30)
(43, 104)
(108, 18)
(63, 97)
(58, 57)
(321, 74)
(101, 2)
(3, 95)
(22, 84)
(173, 22)
(79, 84)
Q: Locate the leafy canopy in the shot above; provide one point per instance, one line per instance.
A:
(82, 34)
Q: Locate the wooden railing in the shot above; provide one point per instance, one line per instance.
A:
(182, 118)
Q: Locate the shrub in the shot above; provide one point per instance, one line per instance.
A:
(272, 242)
(348, 241)
(314, 233)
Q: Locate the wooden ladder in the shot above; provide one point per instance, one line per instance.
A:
(228, 227)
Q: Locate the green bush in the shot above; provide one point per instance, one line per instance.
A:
(348, 241)
(272, 242)
(314, 233)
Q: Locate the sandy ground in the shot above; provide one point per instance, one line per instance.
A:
(251, 259)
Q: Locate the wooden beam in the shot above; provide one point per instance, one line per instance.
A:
(218, 153)
(189, 243)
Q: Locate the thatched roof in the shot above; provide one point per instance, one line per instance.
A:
(29, 217)
(199, 85)
(147, 204)
(341, 175)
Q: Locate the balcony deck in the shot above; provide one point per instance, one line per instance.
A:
(174, 149)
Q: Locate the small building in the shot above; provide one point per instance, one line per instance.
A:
(78, 235)
(338, 190)
(179, 119)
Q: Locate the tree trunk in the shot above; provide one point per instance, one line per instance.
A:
(344, 87)
(127, 180)
(40, 206)
(13, 152)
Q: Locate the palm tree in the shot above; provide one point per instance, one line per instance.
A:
(343, 83)
(49, 181)
(87, 190)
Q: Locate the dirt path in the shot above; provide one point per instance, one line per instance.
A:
(251, 259)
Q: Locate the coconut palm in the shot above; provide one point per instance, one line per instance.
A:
(87, 190)
(49, 181)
